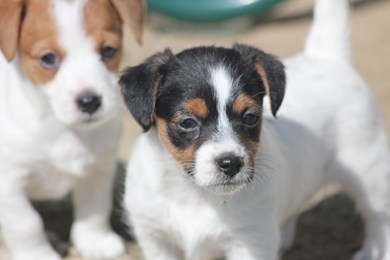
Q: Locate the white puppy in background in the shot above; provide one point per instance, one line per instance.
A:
(59, 118)
(214, 176)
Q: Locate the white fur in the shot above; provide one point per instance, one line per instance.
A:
(328, 130)
(46, 149)
(223, 141)
(223, 85)
(329, 36)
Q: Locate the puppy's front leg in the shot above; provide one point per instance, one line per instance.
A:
(92, 198)
(288, 233)
(156, 245)
(21, 225)
(256, 244)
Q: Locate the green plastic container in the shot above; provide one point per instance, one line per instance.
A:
(209, 10)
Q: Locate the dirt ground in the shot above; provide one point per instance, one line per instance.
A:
(333, 228)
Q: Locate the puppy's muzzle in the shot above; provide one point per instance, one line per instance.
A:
(89, 102)
(229, 164)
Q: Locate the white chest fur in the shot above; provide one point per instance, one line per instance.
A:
(171, 203)
(64, 157)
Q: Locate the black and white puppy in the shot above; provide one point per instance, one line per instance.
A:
(216, 175)
(185, 95)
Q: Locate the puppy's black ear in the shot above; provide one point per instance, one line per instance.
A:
(270, 71)
(139, 86)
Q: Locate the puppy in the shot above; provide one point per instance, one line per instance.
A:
(215, 175)
(59, 118)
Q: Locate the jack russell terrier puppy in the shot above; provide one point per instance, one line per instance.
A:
(59, 118)
(215, 175)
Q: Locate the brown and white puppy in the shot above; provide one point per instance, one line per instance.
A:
(216, 175)
(59, 117)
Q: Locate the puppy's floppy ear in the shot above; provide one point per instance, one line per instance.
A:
(132, 14)
(139, 86)
(270, 71)
(10, 20)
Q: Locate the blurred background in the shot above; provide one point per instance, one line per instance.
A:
(332, 229)
(280, 29)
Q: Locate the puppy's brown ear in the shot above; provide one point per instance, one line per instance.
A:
(10, 20)
(139, 86)
(132, 14)
(270, 71)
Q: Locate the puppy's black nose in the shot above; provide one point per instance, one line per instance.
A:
(230, 164)
(89, 102)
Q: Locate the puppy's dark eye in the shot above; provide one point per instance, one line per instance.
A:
(188, 124)
(108, 52)
(50, 61)
(249, 118)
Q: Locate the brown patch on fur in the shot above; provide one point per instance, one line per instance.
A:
(242, 102)
(197, 106)
(37, 33)
(156, 86)
(263, 76)
(132, 14)
(37, 37)
(183, 156)
(10, 19)
(103, 24)
(253, 148)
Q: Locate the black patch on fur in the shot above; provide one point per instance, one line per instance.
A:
(138, 87)
(274, 71)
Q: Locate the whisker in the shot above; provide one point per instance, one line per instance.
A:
(259, 93)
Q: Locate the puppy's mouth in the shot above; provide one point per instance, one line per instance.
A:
(225, 185)
(232, 186)
(89, 122)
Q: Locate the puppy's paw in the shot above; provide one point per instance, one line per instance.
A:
(46, 253)
(367, 253)
(99, 245)
(377, 241)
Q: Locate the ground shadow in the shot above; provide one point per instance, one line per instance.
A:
(331, 230)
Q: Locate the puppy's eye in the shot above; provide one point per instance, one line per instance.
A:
(107, 52)
(50, 61)
(249, 118)
(188, 124)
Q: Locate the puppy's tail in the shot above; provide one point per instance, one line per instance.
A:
(329, 35)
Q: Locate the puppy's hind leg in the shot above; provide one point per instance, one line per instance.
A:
(364, 163)
(372, 194)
